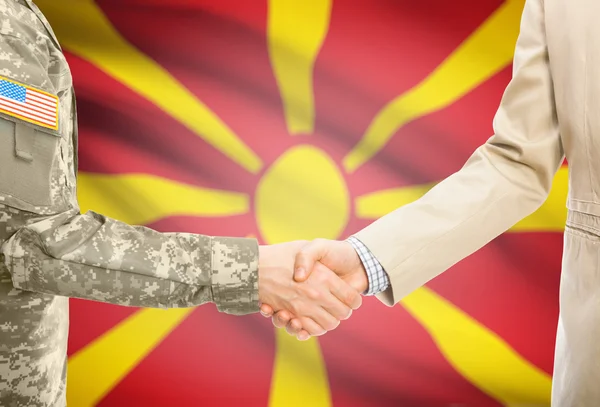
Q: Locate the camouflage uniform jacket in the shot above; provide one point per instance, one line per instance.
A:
(50, 251)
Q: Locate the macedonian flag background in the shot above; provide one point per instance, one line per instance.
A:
(296, 119)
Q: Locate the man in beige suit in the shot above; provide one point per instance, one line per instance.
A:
(550, 109)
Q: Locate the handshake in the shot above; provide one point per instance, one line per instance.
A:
(309, 287)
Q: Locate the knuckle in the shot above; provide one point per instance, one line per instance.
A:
(351, 298)
(313, 294)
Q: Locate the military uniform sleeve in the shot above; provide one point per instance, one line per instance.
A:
(57, 249)
(93, 257)
(506, 179)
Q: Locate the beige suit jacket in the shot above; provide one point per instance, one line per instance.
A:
(550, 109)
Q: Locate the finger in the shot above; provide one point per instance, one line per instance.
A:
(306, 258)
(281, 318)
(303, 335)
(320, 304)
(294, 327)
(266, 311)
(312, 327)
(345, 293)
(323, 318)
(340, 295)
(337, 309)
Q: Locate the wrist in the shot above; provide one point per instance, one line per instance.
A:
(362, 279)
(358, 278)
(261, 275)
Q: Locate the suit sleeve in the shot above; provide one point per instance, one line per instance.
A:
(505, 180)
(93, 257)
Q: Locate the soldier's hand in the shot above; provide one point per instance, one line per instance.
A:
(319, 304)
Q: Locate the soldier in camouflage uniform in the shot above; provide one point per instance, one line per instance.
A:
(50, 251)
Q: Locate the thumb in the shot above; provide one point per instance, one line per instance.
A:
(306, 259)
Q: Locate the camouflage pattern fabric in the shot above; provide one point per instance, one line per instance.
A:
(50, 251)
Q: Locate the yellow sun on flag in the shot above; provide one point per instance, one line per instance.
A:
(321, 209)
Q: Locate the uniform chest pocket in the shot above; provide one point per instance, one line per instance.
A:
(28, 163)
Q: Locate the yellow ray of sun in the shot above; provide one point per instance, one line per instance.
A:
(487, 51)
(296, 31)
(299, 374)
(477, 353)
(140, 199)
(84, 30)
(299, 371)
(101, 365)
(550, 217)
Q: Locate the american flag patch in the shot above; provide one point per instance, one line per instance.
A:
(26, 103)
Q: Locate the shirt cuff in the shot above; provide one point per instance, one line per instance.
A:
(378, 279)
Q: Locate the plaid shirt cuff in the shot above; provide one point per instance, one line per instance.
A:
(378, 278)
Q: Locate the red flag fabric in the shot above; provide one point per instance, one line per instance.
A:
(371, 53)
